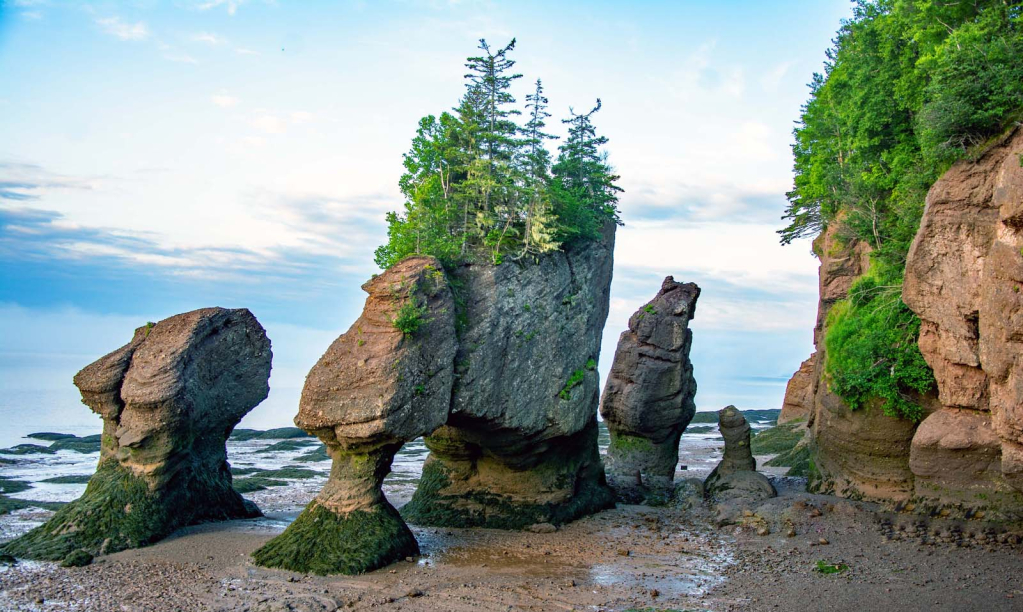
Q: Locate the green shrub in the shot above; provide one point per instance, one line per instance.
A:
(410, 317)
(872, 352)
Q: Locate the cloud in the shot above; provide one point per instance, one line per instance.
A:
(771, 80)
(224, 100)
(209, 38)
(271, 124)
(244, 51)
(21, 182)
(124, 31)
(230, 5)
(181, 58)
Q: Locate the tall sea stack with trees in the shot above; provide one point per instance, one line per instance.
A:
(482, 334)
(914, 92)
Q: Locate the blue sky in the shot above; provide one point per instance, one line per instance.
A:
(163, 156)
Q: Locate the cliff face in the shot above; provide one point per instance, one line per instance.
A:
(861, 453)
(964, 278)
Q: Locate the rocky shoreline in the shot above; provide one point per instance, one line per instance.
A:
(632, 557)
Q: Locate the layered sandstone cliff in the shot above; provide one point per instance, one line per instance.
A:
(964, 278)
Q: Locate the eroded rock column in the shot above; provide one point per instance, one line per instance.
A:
(520, 445)
(648, 398)
(736, 476)
(169, 399)
(384, 382)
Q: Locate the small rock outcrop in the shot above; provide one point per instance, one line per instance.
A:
(648, 397)
(169, 399)
(736, 477)
(798, 402)
(964, 279)
(520, 444)
(384, 382)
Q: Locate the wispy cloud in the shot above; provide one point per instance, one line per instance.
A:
(22, 182)
(209, 38)
(181, 58)
(114, 26)
(223, 100)
(230, 5)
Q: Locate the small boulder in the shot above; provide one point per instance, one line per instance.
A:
(77, 558)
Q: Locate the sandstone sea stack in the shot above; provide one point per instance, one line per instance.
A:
(386, 381)
(648, 398)
(964, 279)
(736, 476)
(520, 444)
(169, 399)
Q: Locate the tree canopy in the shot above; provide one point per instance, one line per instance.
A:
(909, 87)
(480, 185)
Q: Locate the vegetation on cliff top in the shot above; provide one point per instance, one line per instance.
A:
(910, 86)
(478, 185)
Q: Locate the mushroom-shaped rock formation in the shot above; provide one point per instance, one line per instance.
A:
(384, 382)
(648, 398)
(520, 445)
(168, 399)
(736, 476)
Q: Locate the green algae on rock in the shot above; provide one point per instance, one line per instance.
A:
(321, 541)
(168, 400)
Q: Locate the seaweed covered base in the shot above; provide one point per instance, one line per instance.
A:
(323, 542)
(566, 483)
(118, 511)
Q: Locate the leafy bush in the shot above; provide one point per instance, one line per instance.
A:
(872, 350)
(909, 87)
(410, 317)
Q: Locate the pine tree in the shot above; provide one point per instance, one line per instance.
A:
(535, 162)
(584, 187)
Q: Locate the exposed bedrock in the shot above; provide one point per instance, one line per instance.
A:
(736, 477)
(168, 399)
(798, 402)
(648, 398)
(520, 444)
(861, 454)
(384, 382)
(964, 279)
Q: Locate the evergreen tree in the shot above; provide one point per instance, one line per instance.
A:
(477, 183)
(535, 163)
(584, 183)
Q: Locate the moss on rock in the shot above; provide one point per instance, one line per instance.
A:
(118, 511)
(322, 542)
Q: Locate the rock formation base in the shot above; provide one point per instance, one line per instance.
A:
(462, 486)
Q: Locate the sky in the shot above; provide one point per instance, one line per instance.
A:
(158, 157)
